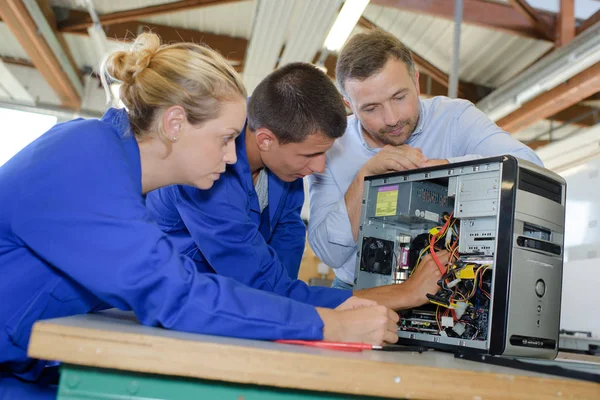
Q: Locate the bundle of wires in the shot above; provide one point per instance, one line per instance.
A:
(452, 292)
(436, 234)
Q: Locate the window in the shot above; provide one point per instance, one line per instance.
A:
(19, 128)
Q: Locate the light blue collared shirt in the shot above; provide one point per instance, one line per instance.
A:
(447, 129)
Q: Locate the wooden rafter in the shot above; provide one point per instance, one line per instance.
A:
(46, 8)
(17, 61)
(488, 14)
(564, 95)
(16, 16)
(595, 96)
(79, 23)
(565, 25)
(534, 144)
(234, 49)
(538, 22)
(589, 22)
(573, 115)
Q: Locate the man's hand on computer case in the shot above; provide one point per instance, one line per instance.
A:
(392, 159)
(425, 278)
(435, 162)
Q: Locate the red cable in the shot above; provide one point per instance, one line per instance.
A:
(432, 242)
(435, 257)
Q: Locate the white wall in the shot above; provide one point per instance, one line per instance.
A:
(581, 274)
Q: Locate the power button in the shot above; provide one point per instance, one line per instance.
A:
(540, 288)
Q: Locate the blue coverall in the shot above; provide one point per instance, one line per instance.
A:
(76, 236)
(224, 231)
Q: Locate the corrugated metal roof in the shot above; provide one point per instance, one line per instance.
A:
(300, 25)
(487, 57)
(83, 50)
(108, 6)
(303, 44)
(231, 19)
(268, 36)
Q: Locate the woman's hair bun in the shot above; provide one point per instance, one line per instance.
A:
(125, 66)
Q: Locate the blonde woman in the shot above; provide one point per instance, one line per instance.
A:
(76, 237)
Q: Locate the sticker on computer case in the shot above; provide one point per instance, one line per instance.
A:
(387, 200)
(431, 216)
(528, 341)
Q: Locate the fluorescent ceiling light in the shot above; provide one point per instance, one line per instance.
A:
(345, 22)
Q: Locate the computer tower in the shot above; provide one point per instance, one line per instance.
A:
(502, 219)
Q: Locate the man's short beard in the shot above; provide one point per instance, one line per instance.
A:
(399, 140)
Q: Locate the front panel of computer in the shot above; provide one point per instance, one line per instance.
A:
(469, 209)
(535, 286)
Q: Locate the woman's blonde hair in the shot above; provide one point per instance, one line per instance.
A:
(154, 77)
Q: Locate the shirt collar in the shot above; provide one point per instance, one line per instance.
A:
(361, 137)
(420, 124)
(118, 118)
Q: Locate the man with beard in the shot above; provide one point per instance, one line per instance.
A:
(391, 130)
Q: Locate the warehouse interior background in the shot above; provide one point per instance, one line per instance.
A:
(533, 66)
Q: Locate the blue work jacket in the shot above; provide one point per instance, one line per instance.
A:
(223, 230)
(75, 236)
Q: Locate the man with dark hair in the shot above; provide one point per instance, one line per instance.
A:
(391, 130)
(248, 226)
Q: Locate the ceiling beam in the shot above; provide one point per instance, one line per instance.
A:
(76, 23)
(576, 89)
(595, 96)
(234, 49)
(589, 22)
(565, 25)
(487, 14)
(538, 22)
(466, 90)
(46, 8)
(573, 115)
(42, 46)
(17, 61)
(534, 144)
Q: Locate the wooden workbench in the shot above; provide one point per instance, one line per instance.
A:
(110, 353)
